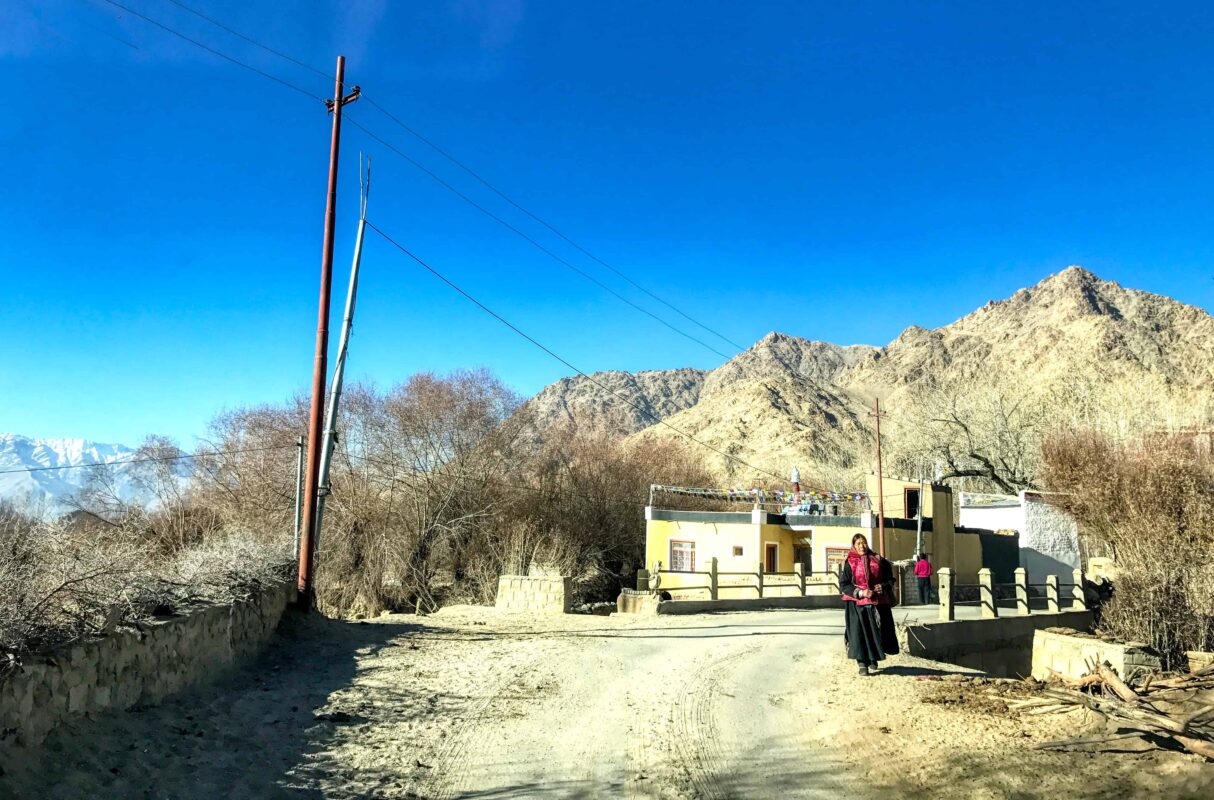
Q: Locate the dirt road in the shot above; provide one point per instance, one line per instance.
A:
(475, 703)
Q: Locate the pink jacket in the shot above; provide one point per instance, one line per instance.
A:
(923, 569)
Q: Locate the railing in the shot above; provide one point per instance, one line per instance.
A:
(988, 602)
(803, 579)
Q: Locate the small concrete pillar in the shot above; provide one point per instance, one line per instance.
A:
(948, 611)
(799, 568)
(1022, 592)
(1081, 602)
(1051, 594)
(642, 580)
(759, 575)
(986, 594)
(713, 584)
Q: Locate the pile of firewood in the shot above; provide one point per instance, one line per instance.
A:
(1162, 710)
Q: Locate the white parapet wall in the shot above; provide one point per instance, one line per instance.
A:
(134, 666)
(552, 594)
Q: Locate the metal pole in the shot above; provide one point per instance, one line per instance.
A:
(312, 475)
(880, 487)
(919, 529)
(299, 473)
(339, 367)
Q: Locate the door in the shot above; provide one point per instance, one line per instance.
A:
(771, 560)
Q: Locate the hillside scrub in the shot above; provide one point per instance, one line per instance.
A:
(1149, 504)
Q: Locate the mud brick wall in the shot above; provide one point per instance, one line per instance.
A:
(534, 593)
(134, 666)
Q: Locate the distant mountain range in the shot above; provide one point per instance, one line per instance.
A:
(28, 476)
(789, 400)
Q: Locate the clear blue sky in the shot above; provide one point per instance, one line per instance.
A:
(837, 171)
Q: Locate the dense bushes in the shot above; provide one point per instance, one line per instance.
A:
(1149, 504)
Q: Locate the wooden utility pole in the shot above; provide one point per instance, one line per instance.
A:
(877, 413)
(308, 530)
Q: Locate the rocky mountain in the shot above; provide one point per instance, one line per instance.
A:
(788, 400)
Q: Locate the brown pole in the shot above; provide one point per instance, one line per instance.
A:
(880, 487)
(307, 538)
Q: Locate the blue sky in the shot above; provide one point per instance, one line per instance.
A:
(834, 171)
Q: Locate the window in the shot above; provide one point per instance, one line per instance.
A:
(911, 503)
(737, 552)
(835, 556)
(682, 556)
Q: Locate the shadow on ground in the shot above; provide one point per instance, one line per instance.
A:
(258, 732)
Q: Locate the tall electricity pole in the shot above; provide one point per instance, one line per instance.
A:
(307, 538)
(877, 413)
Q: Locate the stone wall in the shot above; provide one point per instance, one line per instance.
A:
(134, 666)
(527, 593)
(1068, 655)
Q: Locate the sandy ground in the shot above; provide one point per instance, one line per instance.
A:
(472, 702)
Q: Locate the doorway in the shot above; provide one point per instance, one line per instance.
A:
(771, 557)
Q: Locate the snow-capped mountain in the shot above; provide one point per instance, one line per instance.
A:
(26, 481)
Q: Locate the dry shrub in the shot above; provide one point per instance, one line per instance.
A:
(1149, 504)
(585, 515)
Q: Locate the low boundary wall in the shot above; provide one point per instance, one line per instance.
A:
(1002, 646)
(1055, 651)
(534, 593)
(752, 604)
(134, 666)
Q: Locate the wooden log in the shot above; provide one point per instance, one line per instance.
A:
(1115, 683)
(1065, 743)
(1201, 747)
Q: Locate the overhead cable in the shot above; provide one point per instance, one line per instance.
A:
(646, 412)
(483, 181)
(182, 457)
(531, 240)
(213, 51)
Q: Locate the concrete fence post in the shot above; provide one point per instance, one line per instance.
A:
(1022, 592)
(1081, 602)
(714, 588)
(799, 568)
(642, 580)
(759, 575)
(1051, 594)
(948, 611)
(986, 594)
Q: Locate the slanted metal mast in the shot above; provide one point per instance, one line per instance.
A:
(339, 366)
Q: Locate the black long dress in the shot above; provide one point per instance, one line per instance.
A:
(868, 630)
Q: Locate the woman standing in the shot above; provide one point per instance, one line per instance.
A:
(867, 583)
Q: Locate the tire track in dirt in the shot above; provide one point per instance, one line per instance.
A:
(696, 733)
(503, 682)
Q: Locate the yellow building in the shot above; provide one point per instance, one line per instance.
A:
(681, 545)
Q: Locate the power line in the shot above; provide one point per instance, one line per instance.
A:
(658, 420)
(212, 50)
(468, 478)
(542, 221)
(182, 457)
(250, 40)
(434, 176)
(444, 183)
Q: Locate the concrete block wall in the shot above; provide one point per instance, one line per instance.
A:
(553, 594)
(1069, 656)
(134, 667)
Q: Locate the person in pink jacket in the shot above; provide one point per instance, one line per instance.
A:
(923, 573)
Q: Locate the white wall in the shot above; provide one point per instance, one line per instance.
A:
(1049, 539)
